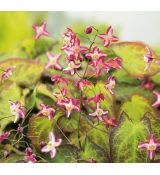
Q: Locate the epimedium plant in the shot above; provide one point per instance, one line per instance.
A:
(92, 103)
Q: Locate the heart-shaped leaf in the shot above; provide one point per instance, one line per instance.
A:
(132, 54)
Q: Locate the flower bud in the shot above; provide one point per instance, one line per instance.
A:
(88, 30)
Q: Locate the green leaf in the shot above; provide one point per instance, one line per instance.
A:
(13, 158)
(38, 130)
(26, 73)
(69, 124)
(99, 136)
(137, 107)
(65, 154)
(134, 127)
(125, 139)
(123, 77)
(9, 91)
(124, 92)
(132, 54)
(93, 152)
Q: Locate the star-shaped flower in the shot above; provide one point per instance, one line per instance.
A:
(7, 73)
(70, 104)
(17, 110)
(51, 145)
(108, 37)
(115, 63)
(72, 67)
(99, 112)
(53, 61)
(157, 102)
(40, 30)
(61, 96)
(4, 136)
(148, 58)
(59, 79)
(82, 83)
(30, 157)
(46, 111)
(95, 55)
(111, 85)
(99, 65)
(151, 145)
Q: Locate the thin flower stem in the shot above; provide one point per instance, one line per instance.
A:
(63, 133)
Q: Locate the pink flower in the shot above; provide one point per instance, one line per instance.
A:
(74, 52)
(108, 37)
(99, 65)
(40, 30)
(82, 83)
(17, 110)
(147, 84)
(110, 121)
(110, 86)
(8, 72)
(97, 98)
(20, 129)
(53, 61)
(148, 58)
(68, 39)
(151, 145)
(46, 111)
(4, 136)
(88, 30)
(51, 146)
(70, 104)
(99, 112)
(30, 157)
(61, 96)
(115, 63)
(95, 55)
(72, 67)
(157, 102)
(59, 79)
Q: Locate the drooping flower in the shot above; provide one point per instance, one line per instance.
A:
(61, 96)
(4, 136)
(95, 55)
(7, 73)
(99, 65)
(82, 83)
(51, 146)
(70, 104)
(40, 30)
(110, 121)
(148, 58)
(30, 157)
(115, 63)
(97, 98)
(88, 30)
(111, 85)
(59, 79)
(108, 37)
(46, 111)
(151, 145)
(53, 61)
(20, 129)
(147, 84)
(72, 67)
(17, 110)
(157, 102)
(99, 112)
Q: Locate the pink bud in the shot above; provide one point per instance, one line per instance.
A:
(88, 30)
